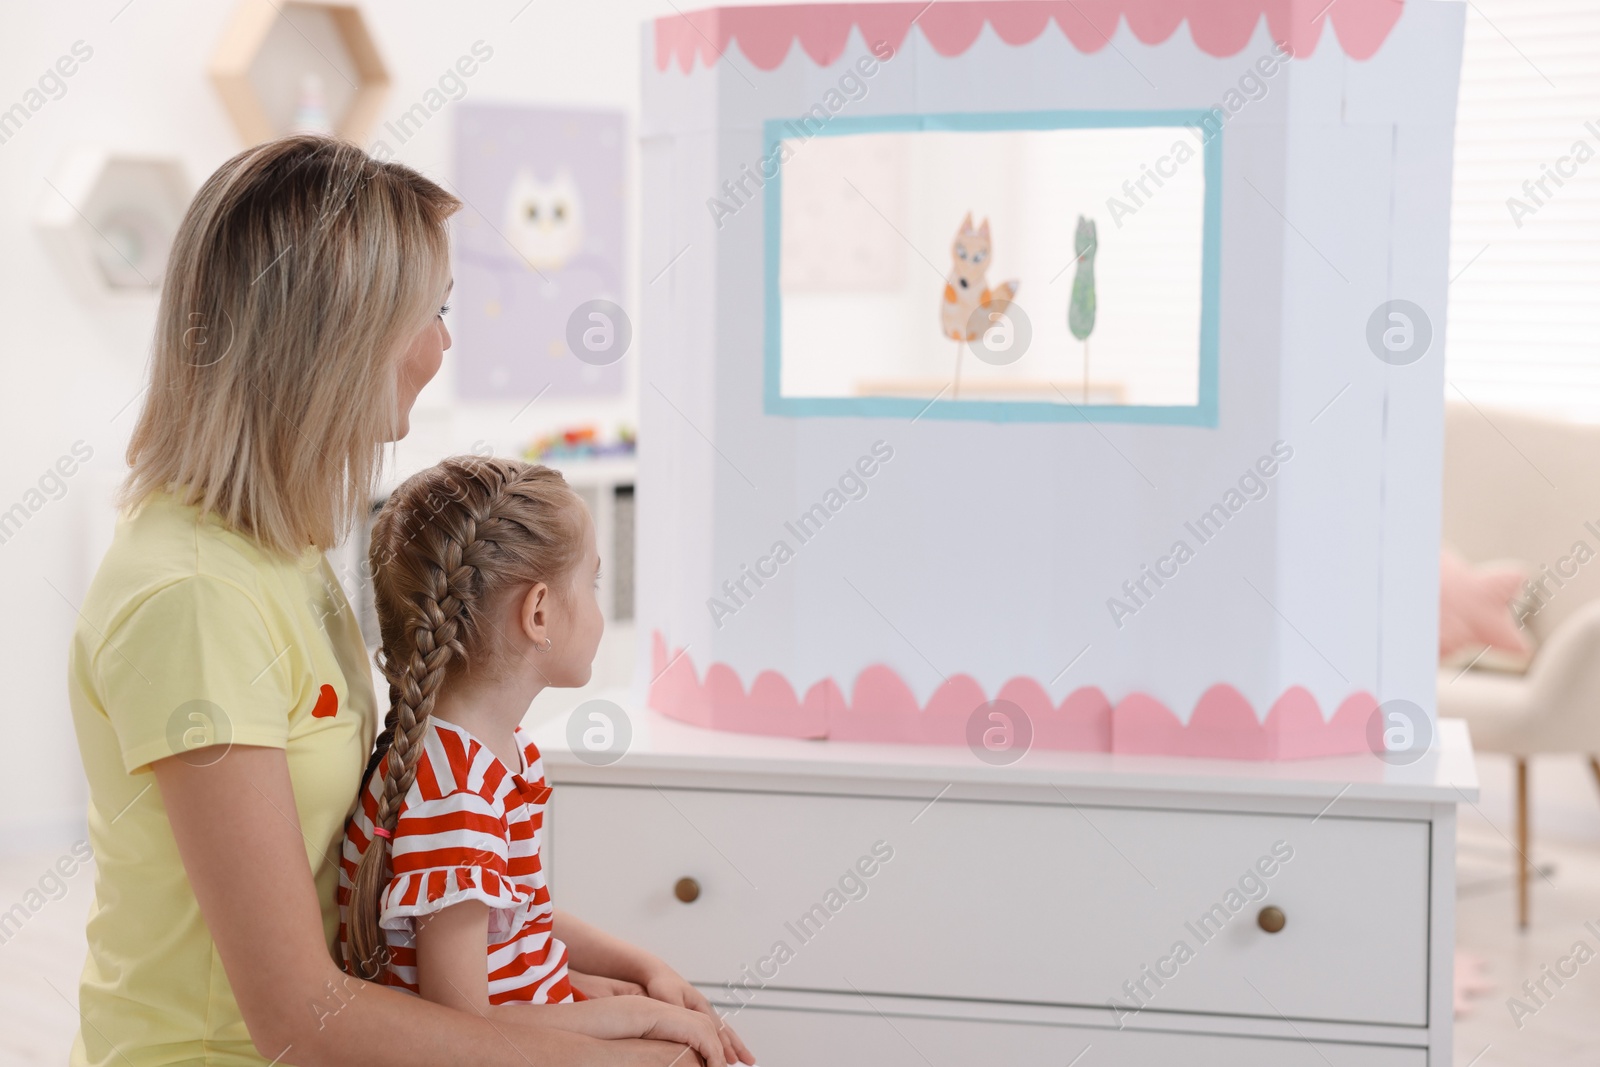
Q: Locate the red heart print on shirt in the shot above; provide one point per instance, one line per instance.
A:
(327, 705)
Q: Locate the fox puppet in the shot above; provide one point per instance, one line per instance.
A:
(965, 288)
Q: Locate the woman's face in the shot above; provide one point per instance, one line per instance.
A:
(420, 363)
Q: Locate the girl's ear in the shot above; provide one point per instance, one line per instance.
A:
(535, 613)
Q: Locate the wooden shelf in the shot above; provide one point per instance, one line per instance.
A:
(329, 40)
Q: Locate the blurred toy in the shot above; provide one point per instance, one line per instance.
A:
(581, 442)
(311, 107)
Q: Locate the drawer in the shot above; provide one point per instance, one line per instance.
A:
(783, 1038)
(1008, 902)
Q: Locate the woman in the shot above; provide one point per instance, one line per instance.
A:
(219, 683)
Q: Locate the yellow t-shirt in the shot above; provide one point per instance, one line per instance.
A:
(193, 638)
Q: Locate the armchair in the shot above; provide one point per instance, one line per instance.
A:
(1522, 487)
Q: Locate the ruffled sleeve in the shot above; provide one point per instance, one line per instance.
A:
(447, 851)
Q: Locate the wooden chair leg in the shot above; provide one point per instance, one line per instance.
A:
(1523, 863)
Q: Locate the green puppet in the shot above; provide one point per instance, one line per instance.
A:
(1080, 311)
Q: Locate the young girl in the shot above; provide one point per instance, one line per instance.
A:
(484, 575)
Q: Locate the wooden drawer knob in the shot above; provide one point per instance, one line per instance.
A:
(1271, 919)
(688, 890)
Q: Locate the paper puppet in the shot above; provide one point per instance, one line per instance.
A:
(1080, 311)
(966, 289)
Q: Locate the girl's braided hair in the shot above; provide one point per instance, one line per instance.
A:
(448, 545)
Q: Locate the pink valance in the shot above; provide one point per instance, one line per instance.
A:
(1219, 27)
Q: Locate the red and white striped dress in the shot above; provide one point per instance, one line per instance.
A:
(469, 829)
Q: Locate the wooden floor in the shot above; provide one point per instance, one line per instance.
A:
(39, 965)
(1564, 1027)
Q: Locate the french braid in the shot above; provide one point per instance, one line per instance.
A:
(448, 545)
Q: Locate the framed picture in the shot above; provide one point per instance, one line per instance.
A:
(539, 244)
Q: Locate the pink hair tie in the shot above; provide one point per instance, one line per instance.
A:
(379, 831)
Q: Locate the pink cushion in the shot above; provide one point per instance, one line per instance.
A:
(1475, 605)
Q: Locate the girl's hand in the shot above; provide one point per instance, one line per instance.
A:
(654, 1034)
(668, 986)
(656, 1021)
(596, 987)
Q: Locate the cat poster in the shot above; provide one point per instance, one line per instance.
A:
(540, 237)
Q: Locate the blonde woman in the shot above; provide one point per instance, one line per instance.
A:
(219, 684)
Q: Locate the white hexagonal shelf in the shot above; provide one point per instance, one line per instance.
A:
(109, 218)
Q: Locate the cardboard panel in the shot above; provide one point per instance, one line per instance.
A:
(1041, 559)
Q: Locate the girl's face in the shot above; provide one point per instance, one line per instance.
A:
(420, 363)
(577, 623)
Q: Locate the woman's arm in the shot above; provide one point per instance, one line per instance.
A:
(238, 832)
(452, 970)
(593, 951)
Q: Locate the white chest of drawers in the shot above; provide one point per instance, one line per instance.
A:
(905, 905)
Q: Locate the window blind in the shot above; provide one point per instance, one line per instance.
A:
(1523, 325)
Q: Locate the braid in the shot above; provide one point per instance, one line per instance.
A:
(438, 552)
(381, 745)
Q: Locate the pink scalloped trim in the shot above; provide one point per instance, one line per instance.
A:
(882, 708)
(1219, 27)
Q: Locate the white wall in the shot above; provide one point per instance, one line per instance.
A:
(72, 366)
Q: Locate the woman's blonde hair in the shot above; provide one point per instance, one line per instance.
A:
(451, 542)
(300, 273)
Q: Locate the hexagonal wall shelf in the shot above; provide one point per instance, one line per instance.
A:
(109, 218)
(299, 65)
